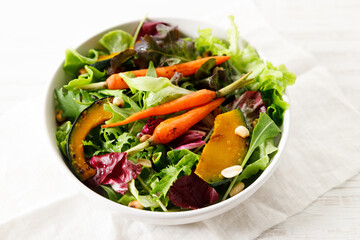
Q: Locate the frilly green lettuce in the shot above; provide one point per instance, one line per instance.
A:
(116, 41)
(244, 59)
(181, 161)
(61, 136)
(75, 61)
(160, 89)
(71, 102)
(146, 83)
(92, 75)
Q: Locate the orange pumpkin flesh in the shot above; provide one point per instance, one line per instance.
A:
(224, 149)
(91, 117)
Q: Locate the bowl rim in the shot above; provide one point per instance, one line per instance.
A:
(186, 216)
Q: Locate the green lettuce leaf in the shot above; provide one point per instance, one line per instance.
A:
(108, 92)
(244, 59)
(165, 95)
(111, 193)
(276, 105)
(160, 89)
(264, 133)
(61, 136)
(119, 114)
(118, 143)
(126, 199)
(145, 200)
(92, 75)
(168, 176)
(72, 103)
(146, 83)
(151, 72)
(116, 41)
(182, 161)
(125, 141)
(75, 61)
(205, 69)
(206, 42)
(159, 157)
(264, 129)
(261, 162)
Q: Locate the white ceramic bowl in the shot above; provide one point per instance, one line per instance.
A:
(189, 28)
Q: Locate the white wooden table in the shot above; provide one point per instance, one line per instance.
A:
(330, 30)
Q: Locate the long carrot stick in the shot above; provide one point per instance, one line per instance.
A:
(172, 128)
(187, 69)
(186, 102)
(114, 81)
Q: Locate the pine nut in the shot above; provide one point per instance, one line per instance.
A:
(144, 138)
(135, 204)
(242, 131)
(253, 124)
(118, 101)
(232, 171)
(59, 116)
(237, 189)
(144, 162)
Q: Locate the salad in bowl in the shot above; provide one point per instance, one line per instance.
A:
(159, 120)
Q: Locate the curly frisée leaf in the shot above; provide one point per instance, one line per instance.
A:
(245, 59)
(182, 162)
(191, 192)
(70, 102)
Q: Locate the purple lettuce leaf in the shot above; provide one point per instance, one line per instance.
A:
(189, 140)
(251, 105)
(149, 28)
(150, 126)
(191, 192)
(114, 169)
(166, 44)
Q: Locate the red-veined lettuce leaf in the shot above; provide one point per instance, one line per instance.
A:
(150, 126)
(149, 28)
(114, 169)
(189, 140)
(251, 105)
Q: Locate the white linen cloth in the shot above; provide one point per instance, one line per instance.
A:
(38, 202)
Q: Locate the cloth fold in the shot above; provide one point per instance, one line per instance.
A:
(38, 202)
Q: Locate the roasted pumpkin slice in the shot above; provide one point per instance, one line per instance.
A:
(89, 118)
(224, 149)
